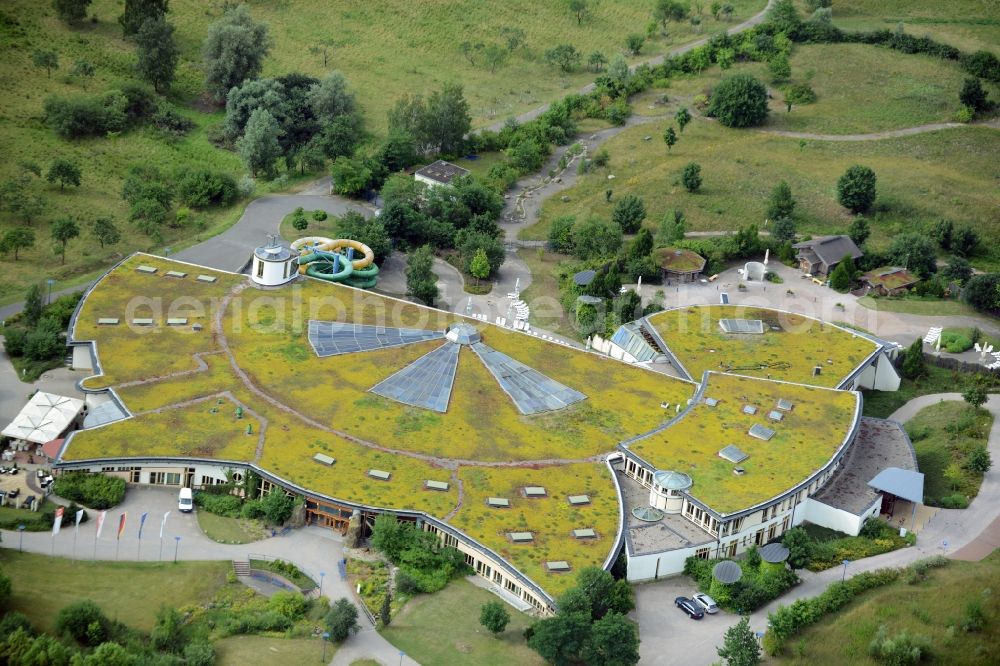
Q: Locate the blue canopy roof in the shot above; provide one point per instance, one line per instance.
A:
(903, 483)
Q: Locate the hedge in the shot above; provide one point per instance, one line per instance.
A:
(96, 491)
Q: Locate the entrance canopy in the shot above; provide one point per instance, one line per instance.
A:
(900, 482)
(44, 418)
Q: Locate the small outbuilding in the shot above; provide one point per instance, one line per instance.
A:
(439, 173)
(821, 255)
(889, 280)
(679, 264)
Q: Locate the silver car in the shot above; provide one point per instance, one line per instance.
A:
(706, 602)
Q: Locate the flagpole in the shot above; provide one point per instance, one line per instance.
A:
(160, 556)
(76, 533)
(118, 543)
(138, 550)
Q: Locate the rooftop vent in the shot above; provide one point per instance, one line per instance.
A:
(558, 566)
(785, 405)
(751, 326)
(586, 533)
(818, 370)
(498, 502)
(711, 402)
(749, 410)
(775, 415)
(733, 454)
(761, 432)
(379, 474)
(534, 491)
(324, 459)
(578, 500)
(739, 471)
(520, 537)
(435, 485)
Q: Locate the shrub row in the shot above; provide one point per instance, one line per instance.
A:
(97, 491)
(761, 582)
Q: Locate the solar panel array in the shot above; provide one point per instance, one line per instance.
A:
(426, 383)
(531, 391)
(760, 432)
(755, 326)
(733, 454)
(330, 338)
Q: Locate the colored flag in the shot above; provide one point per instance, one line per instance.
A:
(57, 523)
(100, 523)
(121, 524)
(164, 523)
(142, 521)
(79, 517)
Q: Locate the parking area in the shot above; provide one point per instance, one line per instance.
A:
(669, 636)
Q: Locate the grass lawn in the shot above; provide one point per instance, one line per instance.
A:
(365, 662)
(230, 530)
(10, 517)
(967, 24)
(43, 585)
(881, 404)
(242, 650)
(443, 628)
(943, 436)
(918, 306)
(921, 179)
(327, 227)
(933, 608)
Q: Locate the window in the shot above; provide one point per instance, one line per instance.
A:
(469, 559)
(173, 479)
(156, 477)
(260, 268)
(702, 553)
(759, 537)
(136, 471)
(107, 469)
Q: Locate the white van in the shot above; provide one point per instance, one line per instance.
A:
(185, 502)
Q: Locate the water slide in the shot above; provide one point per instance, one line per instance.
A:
(322, 258)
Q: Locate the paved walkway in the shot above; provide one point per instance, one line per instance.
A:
(970, 533)
(312, 549)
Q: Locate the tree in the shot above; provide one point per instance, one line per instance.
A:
(739, 100)
(913, 360)
(580, 9)
(859, 230)
(64, 230)
(798, 94)
(494, 56)
(634, 42)
(842, 276)
(975, 395)
(958, 269)
(75, 620)
(33, 304)
(604, 594)
(138, 12)
(595, 238)
(596, 61)
(973, 95)
(614, 641)
(105, 231)
(565, 56)
(799, 545)
(691, 177)
(619, 73)
(234, 51)
(158, 53)
(300, 223)
(740, 646)
(669, 137)
(672, 229)
(513, 37)
(560, 639)
(779, 67)
(784, 17)
(629, 213)
(342, 620)
(983, 292)
(83, 70)
(421, 283)
(964, 241)
(913, 251)
(781, 203)
(259, 145)
(942, 233)
(447, 120)
(17, 239)
(783, 230)
(479, 266)
(385, 612)
(856, 189)
(669, 10)
(331, 97)
(683, 117)
(980, 460)
(561, 233)
(65, 172)
(494, 616)
(47, 60)
(71, 11)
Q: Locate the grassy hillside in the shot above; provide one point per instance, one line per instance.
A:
(966, 24)
(386, 48)
(934, 608)
(947, 174)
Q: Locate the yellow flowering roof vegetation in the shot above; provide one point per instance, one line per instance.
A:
(550, 519)
(789, 354)
(805, 439)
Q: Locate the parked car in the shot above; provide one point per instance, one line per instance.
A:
(706, 602)
(691, 608)
(185, 501)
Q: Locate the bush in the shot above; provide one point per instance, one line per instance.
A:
(83, 621)
(955, 501)
(342, 620)
(319, 215)
(199, 653)
(739, 100)
(201, 188)
(221, 505)
(96, 491)
(691, 177)
(172, 123)
(77, 117)
(901, 650)
(955, 342)
(5, 592)
(856, 189)
(290, 604)
(12, 620)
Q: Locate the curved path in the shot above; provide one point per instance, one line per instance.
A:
(971, 533)
(887, 134)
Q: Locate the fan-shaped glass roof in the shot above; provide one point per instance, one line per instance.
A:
(670, 480)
